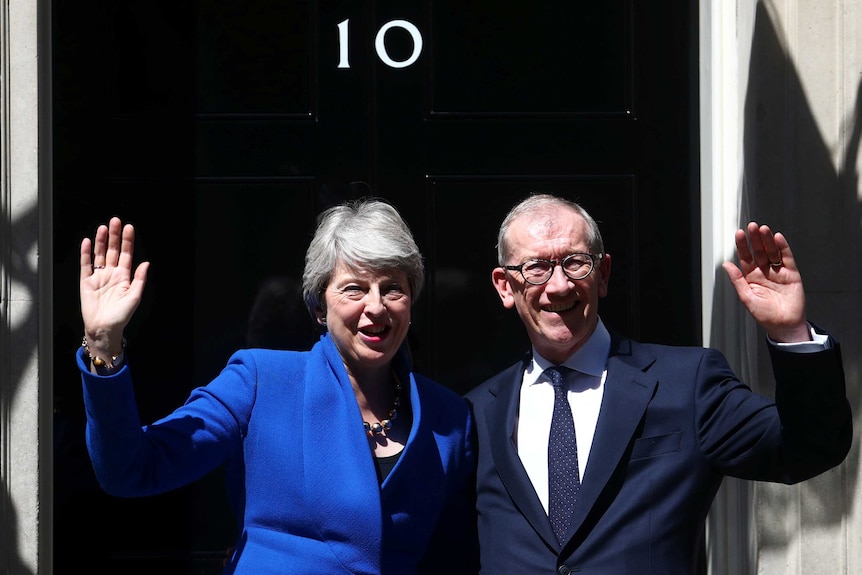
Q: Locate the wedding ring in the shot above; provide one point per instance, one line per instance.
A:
(98, 267)
(776, 265)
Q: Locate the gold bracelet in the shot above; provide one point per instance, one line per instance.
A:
(98, 361)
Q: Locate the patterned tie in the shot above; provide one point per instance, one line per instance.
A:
(563, 480)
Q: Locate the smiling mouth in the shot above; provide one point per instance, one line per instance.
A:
(560, 307)
(374, 329)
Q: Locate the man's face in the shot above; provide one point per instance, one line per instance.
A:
(561, 314)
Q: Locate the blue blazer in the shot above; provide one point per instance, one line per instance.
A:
(673, 422)
(311, 502)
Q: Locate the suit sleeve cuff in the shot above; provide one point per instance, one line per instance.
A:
(819, 342)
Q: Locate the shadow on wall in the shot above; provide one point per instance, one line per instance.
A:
(791, 184)
(9, 557)
(21, 330)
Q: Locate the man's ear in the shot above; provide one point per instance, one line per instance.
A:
(500, 279)
(604, 273)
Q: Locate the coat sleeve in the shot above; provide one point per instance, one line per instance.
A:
(132, 460)
(816, 417)
(804, 431)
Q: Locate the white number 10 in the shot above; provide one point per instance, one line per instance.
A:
(379, 44)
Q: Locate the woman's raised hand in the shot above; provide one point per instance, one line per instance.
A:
(110, 294)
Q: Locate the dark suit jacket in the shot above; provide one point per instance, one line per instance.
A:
(673, 422)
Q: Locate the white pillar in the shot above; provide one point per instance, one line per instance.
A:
(25, 399)
(781, 84)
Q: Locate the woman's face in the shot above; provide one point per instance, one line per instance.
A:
(367, 314)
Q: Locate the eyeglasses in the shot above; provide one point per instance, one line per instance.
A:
(538, 271)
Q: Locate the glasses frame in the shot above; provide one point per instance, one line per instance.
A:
(594, 258)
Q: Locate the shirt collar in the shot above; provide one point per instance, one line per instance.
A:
(591, 358)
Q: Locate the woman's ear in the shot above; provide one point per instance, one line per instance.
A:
(320, 314)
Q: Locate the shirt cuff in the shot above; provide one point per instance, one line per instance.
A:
(819, 342)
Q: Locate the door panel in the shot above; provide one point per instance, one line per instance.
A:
(530, 58)
(222, 128)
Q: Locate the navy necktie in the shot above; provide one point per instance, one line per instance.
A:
(563, 479)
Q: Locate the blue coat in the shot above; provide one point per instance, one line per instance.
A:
(312, 502)
(673, 422)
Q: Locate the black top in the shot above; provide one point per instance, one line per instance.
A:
(385, 464)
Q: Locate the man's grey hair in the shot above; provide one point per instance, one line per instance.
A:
(546, 204)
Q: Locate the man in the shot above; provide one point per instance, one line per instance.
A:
(656, 428)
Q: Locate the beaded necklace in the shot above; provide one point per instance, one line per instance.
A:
(381, 427)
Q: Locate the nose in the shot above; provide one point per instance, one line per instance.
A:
(559, 281)
(374, 304)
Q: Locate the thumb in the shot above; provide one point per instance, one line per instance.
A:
(140, 279)
(737, 279)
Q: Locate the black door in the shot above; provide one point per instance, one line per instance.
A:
(222, 128)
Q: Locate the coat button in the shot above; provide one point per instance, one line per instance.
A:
(564, 570)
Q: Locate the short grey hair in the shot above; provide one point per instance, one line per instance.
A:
(538, 204)
(365, 234)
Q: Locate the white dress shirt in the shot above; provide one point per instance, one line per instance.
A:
(585, 391)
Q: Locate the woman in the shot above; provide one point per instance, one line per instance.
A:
(353, 463)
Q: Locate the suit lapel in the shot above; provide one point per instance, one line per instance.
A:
(628, 390)
(500, 415)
